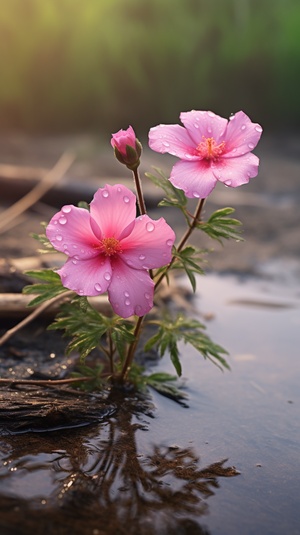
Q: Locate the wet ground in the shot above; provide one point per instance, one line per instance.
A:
(229, 463)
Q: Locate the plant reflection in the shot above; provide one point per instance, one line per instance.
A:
(103, 484)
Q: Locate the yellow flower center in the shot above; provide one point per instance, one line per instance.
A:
(209, 149)
(110, 246)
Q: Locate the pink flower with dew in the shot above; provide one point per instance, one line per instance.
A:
(111, 250)
(210, 149)
(122, 138)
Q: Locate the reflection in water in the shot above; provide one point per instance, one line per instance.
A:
(98, 482)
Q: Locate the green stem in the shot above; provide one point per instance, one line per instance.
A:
(131, 349)
(139, 192)
(110, 352)
(185, 237)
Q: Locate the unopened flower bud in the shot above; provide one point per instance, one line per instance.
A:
(127, 148)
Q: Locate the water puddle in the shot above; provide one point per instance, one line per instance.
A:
(156, 467)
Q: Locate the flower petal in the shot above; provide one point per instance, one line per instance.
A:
(236, 171)
(241, 136)
(70, 232)
(196, 179)
(130, 291)
(149, 245)
(206, 124)
(87, 277)
(174, 139)
(113, 208)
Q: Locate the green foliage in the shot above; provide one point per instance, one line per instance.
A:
(95, 375)
(190, 331)
(188, 259)
(42, 238)
(50, 287)
(223, 57)
(174, 197)
(219, 226)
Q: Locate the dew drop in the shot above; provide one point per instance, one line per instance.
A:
(196, 125)
(227, 182)
(127, 302)
(126, 199)
(188, 156)
(142, 257)
(119, 189)
(169, 243)
(55, 222)
(243, 127)
(63, 220)
(80, 292)
(107, 276)
(196, 195)
(66, 209)
(166, 144)
(66, 251)
(126, 294)
(258, 128)
(150, 227)
(74, 261)
(211, 114)
(98, 287)
(250, 145)
(147, 295)
(59, 237)
(74, 246)
(105, 193)
(82, 251)
(138, 310)
(209, 130)
(173, 153)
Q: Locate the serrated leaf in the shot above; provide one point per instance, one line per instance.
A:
(51, 287)
(161, 377)
(219, 226)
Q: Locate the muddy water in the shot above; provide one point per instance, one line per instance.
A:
(228, 464)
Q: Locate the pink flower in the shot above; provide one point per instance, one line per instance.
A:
(127, 147)
(111, 250)
(210, 148)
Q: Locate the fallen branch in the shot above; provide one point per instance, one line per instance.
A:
(48, 181)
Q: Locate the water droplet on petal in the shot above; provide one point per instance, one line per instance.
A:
(169, 243)
(105, 194)
(196, 195)
(147, 295)
(243, 127)
(76, 257)
(82, 251)
(80, 292)
(74, 246)
(209, 130)
(127, 302)
(126, 294)
(251, 146)
(188, 156)
(142, 257)
(98, 287)
(210, 114)
(63, 220)
(107, 276)
(55, 222)
(126, 199)
(258, 128)
(119, 189)
(150, 227)
(66, 209)
(138, 310)
(74, 261)
(66, 251)
(166, 144)
(196, 125)
(59, 237)
(227, 182)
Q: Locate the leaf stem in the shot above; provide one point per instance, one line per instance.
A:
(131, 349)
(185, 237)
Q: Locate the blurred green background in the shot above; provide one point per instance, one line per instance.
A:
(97, 65)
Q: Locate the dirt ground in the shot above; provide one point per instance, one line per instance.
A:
(267, 206)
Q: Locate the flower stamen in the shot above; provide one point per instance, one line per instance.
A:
(208, 148)
(110, 246)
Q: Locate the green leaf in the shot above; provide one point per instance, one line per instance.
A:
(84, 204)
(83, 324)
(164, 384)
(51, 287)
(122, 335)
(174, 196)
(42, 238)
(190, 331)
(189, 260)
(219, 226)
